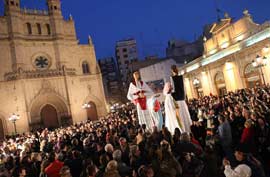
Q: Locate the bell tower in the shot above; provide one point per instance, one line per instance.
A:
(56, 18)
(54, 7)
(14, 23)
(12, 6)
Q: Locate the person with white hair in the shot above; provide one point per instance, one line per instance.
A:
(122, 168)
(248, 166)
(109, 150)
(241, 170)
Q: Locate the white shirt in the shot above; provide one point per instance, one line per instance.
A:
(241, 170)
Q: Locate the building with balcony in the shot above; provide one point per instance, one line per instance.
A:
(236, 56)
(45, 75)
(126, 53)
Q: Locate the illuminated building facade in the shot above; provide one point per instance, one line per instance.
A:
(45, 75)
(236, 56)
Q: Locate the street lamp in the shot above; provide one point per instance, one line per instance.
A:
(13, 118)
(196, 83)
(260, 62)
(266, 49)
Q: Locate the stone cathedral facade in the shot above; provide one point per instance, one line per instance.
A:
(45, 74)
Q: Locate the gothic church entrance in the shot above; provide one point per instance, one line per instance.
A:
(92, 111)
(49, 117)
(48, 110)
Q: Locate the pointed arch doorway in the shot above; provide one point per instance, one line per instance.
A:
(47, 111)
(49, 116)
(92, 111)
(2, 133)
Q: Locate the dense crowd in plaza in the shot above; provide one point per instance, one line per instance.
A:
(227, 132)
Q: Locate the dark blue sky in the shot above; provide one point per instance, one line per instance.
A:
(151, 22)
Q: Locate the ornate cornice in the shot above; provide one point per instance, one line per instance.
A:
(31, 74)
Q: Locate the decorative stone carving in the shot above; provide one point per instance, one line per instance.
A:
(219, 77)
(246, 13)
(39, 74)
(226, 15)
(89, 88)
(250, 69)
(46, 87)
(34, 11)
(90, 40)
(70, 17)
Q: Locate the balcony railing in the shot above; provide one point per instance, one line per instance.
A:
(30, 74)
(34, 12)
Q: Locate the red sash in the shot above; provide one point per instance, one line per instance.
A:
(157, 106)
(141, 102)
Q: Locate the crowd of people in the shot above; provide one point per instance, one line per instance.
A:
(230, 137)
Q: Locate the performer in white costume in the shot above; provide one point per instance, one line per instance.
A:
(178, 93)
(139, 92)
(172, 119)
(155, 112)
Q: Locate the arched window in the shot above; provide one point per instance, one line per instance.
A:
(29, 28)
(48, 29)
(220, 83)
(39, 28)
(85, 67)
(252, 76)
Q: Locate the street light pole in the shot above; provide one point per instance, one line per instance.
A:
(196, 84)
(260, 62)
(14, 123)
(13, 118)
(262, 75)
